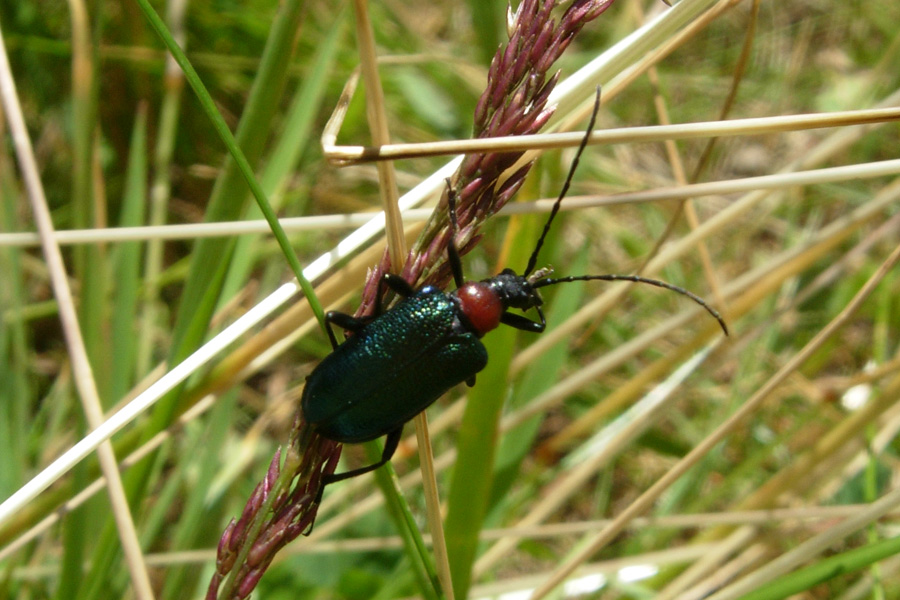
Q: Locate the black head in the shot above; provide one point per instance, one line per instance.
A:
(514, 290)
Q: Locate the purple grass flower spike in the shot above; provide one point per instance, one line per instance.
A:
(283, 505)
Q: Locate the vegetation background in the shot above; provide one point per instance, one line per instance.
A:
(593, 417)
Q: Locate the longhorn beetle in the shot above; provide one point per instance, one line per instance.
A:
(398, 362)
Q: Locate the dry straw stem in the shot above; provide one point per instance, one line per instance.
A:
(817, 544)
(764, 517)
(768, 518)
(757, 285)
(397, 249)
(348, 155)
(709, 189)
(819, 464)
(646, 500)
(81, 367)
(99, 484)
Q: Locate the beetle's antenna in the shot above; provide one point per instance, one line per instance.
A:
(565, 189)
(637, 279)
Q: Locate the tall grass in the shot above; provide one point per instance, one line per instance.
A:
(638, 453)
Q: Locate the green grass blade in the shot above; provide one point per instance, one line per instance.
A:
(90, 260)
(126, 264)
(834, 566)
(197, 519)
(290, 147)
(159, 202)
(228, 198)
(418, 554)
(476, 444)
(472, 480)
(517, 443)
(14, 346)
(488, 21)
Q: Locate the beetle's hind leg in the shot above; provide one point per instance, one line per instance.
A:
(390, 446)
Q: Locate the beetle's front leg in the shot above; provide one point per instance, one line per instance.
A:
(524, 323)
(397, 284)
(350, 323)
(344, 321)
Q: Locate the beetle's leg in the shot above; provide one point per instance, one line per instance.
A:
(392, 440)
(397, 284)
(524, 323)
(344, 321)
(471, 381)
(452, 251)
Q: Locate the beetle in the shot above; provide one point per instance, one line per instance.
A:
(399, 361)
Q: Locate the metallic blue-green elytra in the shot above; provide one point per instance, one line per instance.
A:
(392, 369)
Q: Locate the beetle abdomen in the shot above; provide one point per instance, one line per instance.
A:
(392, 369)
